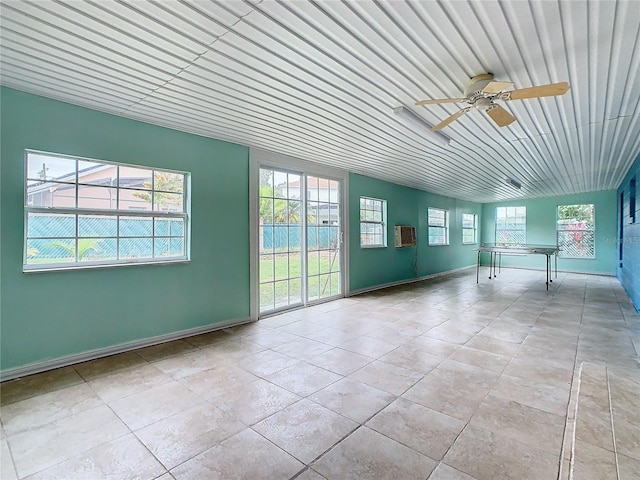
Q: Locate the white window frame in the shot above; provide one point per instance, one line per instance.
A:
(438, 226)
(114, 213)
(559, 229)
(474, 229)
(506, 215)
(382, 209)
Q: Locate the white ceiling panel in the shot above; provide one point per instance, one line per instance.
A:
(319, 80)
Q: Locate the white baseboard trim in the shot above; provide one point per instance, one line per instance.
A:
(13, 373)
(410, 280)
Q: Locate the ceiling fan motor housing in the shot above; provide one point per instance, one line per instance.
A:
(477, 84)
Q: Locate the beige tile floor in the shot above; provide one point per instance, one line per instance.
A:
(441, 380)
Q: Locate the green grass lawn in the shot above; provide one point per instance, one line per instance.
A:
(281, 278)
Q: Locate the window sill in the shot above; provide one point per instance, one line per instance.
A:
(30, 270)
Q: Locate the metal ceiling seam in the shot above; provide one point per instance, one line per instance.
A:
(355, 86)
(472, 42)
(212, 8)
(10, 54)
(628, 143)
(323, 142)
(545, 41)
(535, 79)
(612, 176)
(565, 20)
(501, 53)
(377, 38)
(322, 139)
(126, 18)
(633, 82)
(508, 158)
(72, 34)
(177, 20)
(327, 35)
(403, 41)
(241, 133)
(204, 46)
(594, 88)
(187, 126)
(46, 42)
(511, 173)
(346, 111)
(382, 131)
(129, 30)
(51, 91)
(390, 9)
(31, 71)
(276, 79)
(45, 52)
(274, 105)
(116, 36)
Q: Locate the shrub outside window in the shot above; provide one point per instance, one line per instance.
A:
(576, 231)
(81, 213)
(469, 228)
(438, 221)
(511, 226)
(372, 222)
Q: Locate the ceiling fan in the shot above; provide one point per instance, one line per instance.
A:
(482, 93)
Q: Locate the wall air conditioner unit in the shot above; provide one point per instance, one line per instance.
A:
(405, 236)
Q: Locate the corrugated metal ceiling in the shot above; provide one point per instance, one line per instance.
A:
(318, 80)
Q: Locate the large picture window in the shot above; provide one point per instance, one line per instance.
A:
(372, 222)
(438, 221)
(511, 226)
(576, 231)
(81, 212)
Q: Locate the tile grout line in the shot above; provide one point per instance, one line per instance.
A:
(575, 413)
(575, 422)
(613, 430)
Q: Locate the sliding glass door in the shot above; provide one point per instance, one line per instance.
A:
(299, 241)
(324, 238)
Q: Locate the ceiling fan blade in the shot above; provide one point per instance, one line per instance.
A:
(441, 100)
(450, 119)
(496, 87)
(542, 91)
(501, 116)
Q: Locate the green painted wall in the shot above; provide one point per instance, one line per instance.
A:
(541, 229)
(49, 315)
(371, 267)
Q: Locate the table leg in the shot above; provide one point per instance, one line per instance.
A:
(548, 268)
(491, 254)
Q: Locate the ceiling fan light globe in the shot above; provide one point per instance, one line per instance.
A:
(482, 104)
